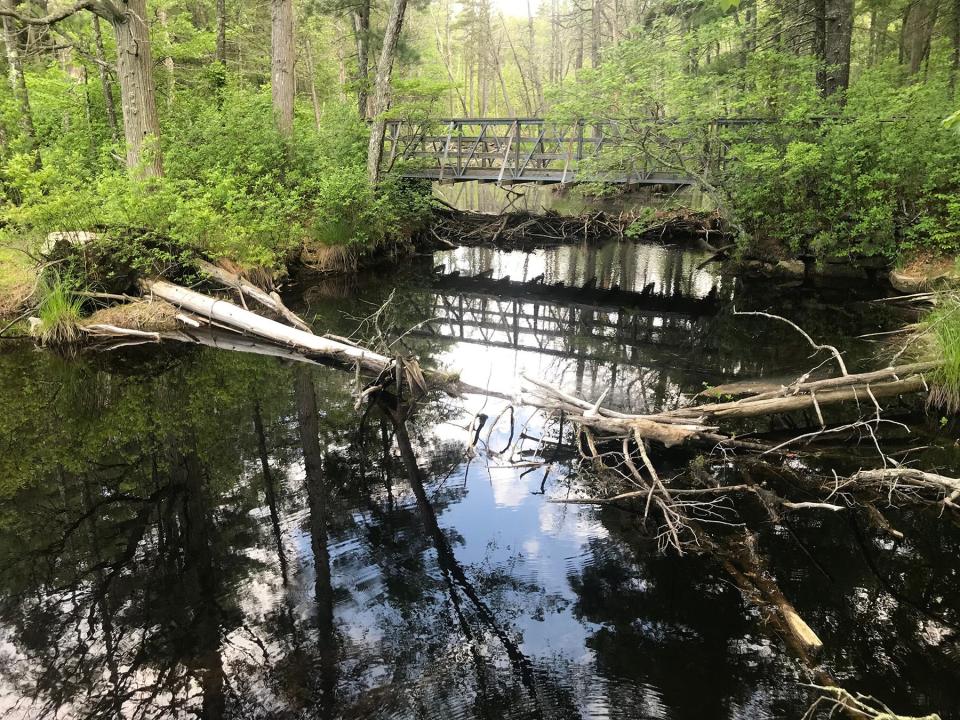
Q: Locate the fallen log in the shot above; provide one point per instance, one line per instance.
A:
(245, 321)
(245, 287)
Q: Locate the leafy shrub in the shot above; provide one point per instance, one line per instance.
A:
(233, 186)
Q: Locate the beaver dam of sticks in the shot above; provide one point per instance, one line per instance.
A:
(703, 474)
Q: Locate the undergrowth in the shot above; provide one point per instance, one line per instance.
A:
(943, 328)
(59, 311)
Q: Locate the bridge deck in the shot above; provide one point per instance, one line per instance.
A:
(518, 150)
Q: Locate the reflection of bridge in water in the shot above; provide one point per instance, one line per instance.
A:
(577, 322)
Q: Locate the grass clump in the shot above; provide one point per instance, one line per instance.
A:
(943, 329)
(59, 311)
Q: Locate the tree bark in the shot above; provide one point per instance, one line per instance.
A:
(141, 126)
(236, 317)
(18, 84)
(838, 31)
(168, 63)
(221, 51)
(281, 64)
(381, 98)
(105, 82)
(919, 19)
(818, 9)
(361, 32)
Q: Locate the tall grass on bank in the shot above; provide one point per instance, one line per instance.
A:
(59, 311)
(943, 327)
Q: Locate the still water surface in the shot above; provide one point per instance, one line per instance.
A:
(187, 532)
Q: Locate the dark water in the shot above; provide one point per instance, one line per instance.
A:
(188, 532)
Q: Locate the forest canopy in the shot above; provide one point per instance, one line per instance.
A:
(251, 130)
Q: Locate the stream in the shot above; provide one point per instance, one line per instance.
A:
(187, 532)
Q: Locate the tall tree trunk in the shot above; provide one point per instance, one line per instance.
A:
(381, 98)
(819, 12)
(595, 34)
(313, 84)
(523, 78)
(168, 64)
(361, 31)
(105, 82)
(532, 60)
(18, 84)
(221, 51)
(955, 36)
(919, 20)
(838, 31)
(281, 64)
(141, 126)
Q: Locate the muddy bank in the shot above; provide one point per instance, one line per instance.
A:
(527, 231)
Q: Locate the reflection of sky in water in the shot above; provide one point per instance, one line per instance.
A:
(629, 265)
(504, 338)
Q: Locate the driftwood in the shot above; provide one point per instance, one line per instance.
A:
(245, 287)
(525, 230)
(245, 321)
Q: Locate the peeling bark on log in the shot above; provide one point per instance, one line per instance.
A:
(243, 320)
(268, 300)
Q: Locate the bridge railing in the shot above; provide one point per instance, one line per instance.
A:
(510, 150)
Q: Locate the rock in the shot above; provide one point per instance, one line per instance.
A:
(66, 237)
(790, 268)
(907, 283)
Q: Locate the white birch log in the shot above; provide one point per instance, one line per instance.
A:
(252, 291)
(234, 316)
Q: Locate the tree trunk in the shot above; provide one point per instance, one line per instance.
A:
(381, 98)
(317, 114)
(105, 82)
(141, 127)
(361, 31)
(236, 317)
(918, 23)
(818, 10)
(595, 34)
(281, 64)
(221, 51)
(18, 84)
(168, 64)
(838, 30)
(532, 60)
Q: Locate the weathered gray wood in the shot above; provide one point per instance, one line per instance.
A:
(234, 316)
(250, 290)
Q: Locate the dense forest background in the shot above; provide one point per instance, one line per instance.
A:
(244, 128)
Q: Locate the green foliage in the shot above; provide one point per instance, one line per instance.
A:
(943, 326)
(882, 178)
(59, 311)
(233, 187)
(871, 172)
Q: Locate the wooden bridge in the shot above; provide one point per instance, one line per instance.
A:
(534, 150)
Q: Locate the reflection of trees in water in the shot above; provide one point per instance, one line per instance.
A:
(659, 633)
(883, 617)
